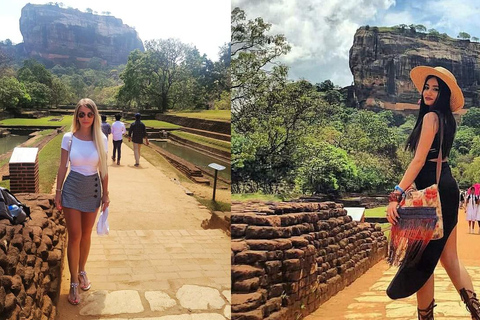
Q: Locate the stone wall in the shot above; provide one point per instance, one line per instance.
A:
(289, 258)
(31, 261)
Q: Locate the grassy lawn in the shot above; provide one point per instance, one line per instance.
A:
(223, 115)
(378, 212)
(156, 124)
(255, 196)
(67, 120)
(214, 143)
(48, 162)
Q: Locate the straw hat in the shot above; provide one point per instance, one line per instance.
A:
(419, 74)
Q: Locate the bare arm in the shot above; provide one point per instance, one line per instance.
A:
(105, 197)
(427, 135)
(62, 171)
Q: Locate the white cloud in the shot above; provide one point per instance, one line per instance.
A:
(319, 31)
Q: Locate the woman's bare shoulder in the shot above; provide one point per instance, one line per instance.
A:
(431, 118)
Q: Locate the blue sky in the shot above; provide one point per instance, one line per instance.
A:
(205, 24)
(321, 31)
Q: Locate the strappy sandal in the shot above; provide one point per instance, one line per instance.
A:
(471, 302)
(84, 283)
(427, 313)
(73, 290)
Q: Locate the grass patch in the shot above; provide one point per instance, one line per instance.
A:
(46, 121)
(214, 143)
(222, 115)
(215, 205)
(378, 212)
(48, 162)
(255, 196)
(157, 124)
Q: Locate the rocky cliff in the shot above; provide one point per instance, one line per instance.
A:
(69, 36)
(381, 60)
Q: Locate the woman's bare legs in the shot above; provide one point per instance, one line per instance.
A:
(73, 219)
(88, 220)
(455, 269)
(425, 294)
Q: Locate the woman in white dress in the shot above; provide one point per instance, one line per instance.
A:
(471, 209)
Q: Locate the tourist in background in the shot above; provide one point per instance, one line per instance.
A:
(84, 189)
(440, 96)
(106, 129)
(471, 208)
(136, 133)
(118, 130)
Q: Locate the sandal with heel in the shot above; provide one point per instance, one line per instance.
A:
(73, 290)
(471, 301)
(85, 284)
(427, 313)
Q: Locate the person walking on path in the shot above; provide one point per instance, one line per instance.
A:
(471, 208)
(440, 96)
(118, 130)
(136, 133)
(80, 196)
(106, 129)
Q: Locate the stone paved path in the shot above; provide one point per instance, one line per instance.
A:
(366, 299)
(157, 262)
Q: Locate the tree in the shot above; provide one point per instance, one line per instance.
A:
(472, 119)
(252, 50)
(11, 93)
(32, 71)
(420, 28)
(323, 168)
(60, 93)
(463, 35)
(433, 32)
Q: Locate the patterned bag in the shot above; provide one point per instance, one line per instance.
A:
(420, 220)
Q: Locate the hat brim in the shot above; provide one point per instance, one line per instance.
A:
(419, 74)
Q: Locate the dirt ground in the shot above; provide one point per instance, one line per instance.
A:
(223, 190)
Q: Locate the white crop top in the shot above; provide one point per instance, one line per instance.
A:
(83, 154)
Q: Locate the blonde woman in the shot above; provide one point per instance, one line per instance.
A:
(84, 190)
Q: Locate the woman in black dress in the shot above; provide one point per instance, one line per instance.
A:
(440, 97)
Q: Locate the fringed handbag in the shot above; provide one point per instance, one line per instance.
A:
(420, 220)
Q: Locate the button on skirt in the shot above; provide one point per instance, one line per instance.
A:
(81, 192)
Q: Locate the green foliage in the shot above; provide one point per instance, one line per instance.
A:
(463, 35)
(12, 92)
(472, 119)
(223, 103)
(464, 139)
(323, 168)
(252, 50)
(171, 75)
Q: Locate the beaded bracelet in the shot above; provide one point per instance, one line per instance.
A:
(394, 197)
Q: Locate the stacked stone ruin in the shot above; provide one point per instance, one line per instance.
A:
(31, 261)
(288, 258)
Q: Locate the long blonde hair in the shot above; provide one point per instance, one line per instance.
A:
(97, 134)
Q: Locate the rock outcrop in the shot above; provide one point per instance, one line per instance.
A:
(381, 60)
(69, 36)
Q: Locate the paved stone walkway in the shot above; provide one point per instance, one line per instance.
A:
(157, 262)
(366, 299)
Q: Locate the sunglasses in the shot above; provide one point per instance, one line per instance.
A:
(81, 115)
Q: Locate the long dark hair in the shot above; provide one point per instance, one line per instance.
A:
(442, 107)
